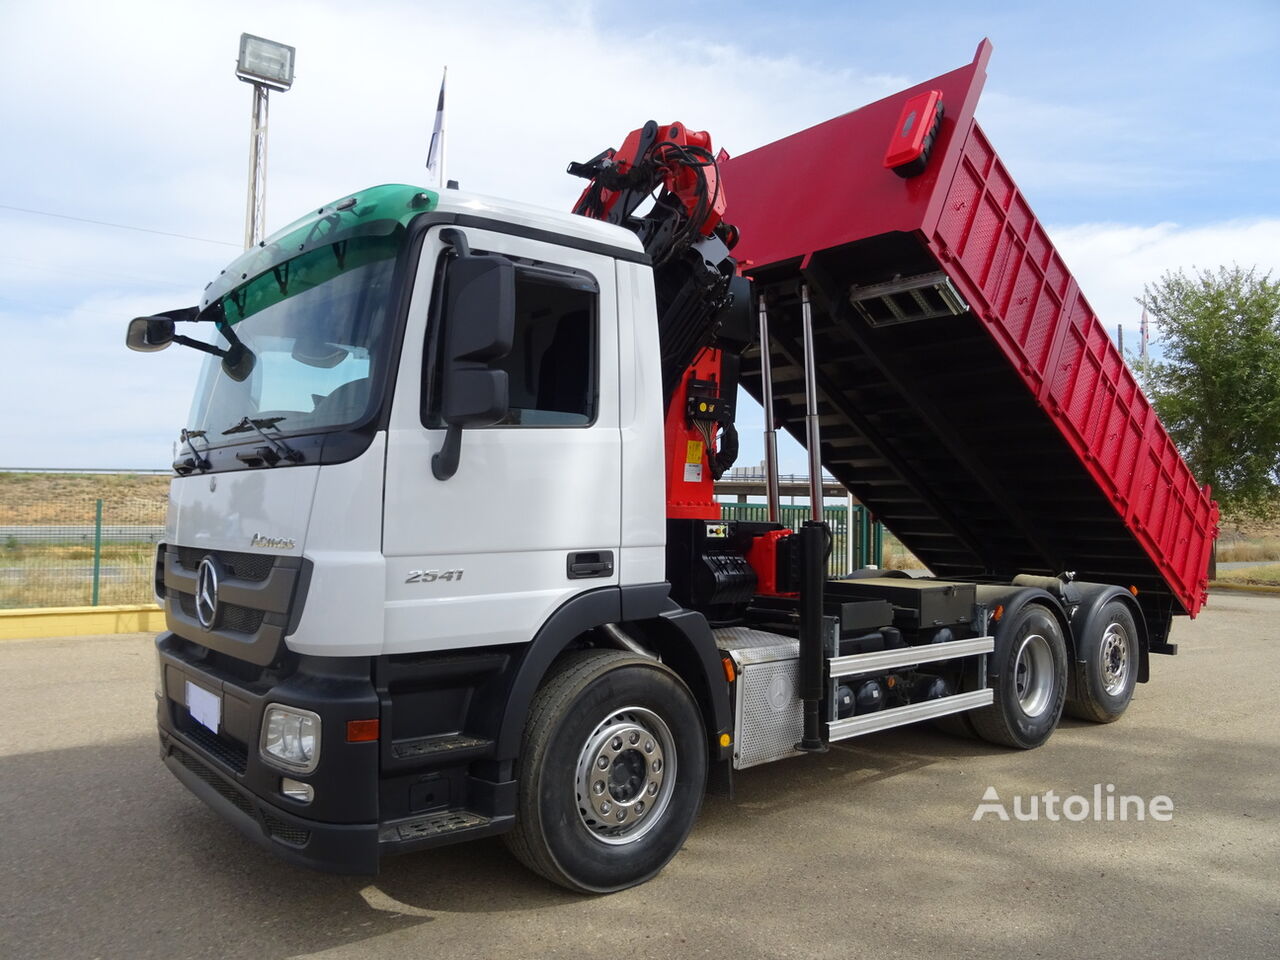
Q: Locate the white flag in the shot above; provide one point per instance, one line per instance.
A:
(435, 154)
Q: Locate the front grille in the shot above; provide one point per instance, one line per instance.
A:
(243, 566)
(231, 616)
(225, 790)
(239, 619)
(280, 830)
(226, 750)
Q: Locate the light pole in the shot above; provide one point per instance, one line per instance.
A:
(268, 66)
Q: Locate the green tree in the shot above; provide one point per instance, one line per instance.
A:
(1216, 385)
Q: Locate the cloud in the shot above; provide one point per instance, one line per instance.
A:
(147, 126)
(77, 397)
(142, 123)
(1112, 262)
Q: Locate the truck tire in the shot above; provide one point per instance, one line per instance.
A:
(1030, 681)
(1106, 679)
(612, 769)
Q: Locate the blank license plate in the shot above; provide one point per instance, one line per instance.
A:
(205, 707)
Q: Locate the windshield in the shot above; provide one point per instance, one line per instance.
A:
(319, 328)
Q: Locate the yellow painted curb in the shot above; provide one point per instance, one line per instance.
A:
(79, 621)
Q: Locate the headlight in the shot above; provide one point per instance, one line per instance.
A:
(291, 737)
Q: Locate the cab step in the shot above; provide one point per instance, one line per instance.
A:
(438, 828)
(450, 746)
(431, 825)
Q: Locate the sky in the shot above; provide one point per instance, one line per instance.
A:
(1141, 133)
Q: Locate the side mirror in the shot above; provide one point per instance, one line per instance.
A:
(479, 327)
(238, 362)
(149, 334)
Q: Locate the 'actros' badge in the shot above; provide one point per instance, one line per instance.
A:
(271, 543)
(207, 593)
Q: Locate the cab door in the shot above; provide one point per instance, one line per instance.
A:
(533, 514)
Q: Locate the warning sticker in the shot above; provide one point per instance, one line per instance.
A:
(693, 452)
(693, 472)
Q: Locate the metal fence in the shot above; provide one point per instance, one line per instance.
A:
(861, 546)
(78, 551)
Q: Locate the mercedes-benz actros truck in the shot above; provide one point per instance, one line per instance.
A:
(443, 557)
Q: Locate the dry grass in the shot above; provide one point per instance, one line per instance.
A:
(1230, 551)
(61, 575)
(1263, 575)
(57, 570)
(898, 557)
(61, 498)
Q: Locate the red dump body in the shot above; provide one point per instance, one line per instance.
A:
(1003, 438)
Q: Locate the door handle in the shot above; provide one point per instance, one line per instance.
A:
(587, 564)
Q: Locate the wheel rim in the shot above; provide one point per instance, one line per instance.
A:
(1033, 675)
(626, 773)
(1114, 659)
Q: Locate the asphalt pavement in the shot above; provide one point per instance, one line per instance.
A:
(870, 850)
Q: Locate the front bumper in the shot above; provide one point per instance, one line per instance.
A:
(335, 847)
(361, 811)
(338, 830)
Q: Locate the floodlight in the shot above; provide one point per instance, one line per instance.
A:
(265, 62)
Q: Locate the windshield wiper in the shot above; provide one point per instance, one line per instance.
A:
(276, 450)
(195, 461)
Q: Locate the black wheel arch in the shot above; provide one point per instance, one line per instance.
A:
(1083, 602)
(1095, 596)
(1014, 599)
(681, 638)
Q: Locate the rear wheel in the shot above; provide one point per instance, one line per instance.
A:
(611, 773)
(1109, 670)
(1030, 682)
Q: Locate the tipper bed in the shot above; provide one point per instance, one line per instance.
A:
(969, 395)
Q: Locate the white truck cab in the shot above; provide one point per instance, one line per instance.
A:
(319, 557)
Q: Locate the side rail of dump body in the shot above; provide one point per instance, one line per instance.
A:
(969, 395)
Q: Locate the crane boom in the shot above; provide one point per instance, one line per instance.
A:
(703, 304)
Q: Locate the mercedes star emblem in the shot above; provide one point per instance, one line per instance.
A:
(207, 592)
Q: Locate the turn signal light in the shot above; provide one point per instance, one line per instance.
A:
(362, 731)
(998, 612)
(1133, 590)
(729, 672)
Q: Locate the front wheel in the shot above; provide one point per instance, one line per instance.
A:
(612, 768)
(1030, 681)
